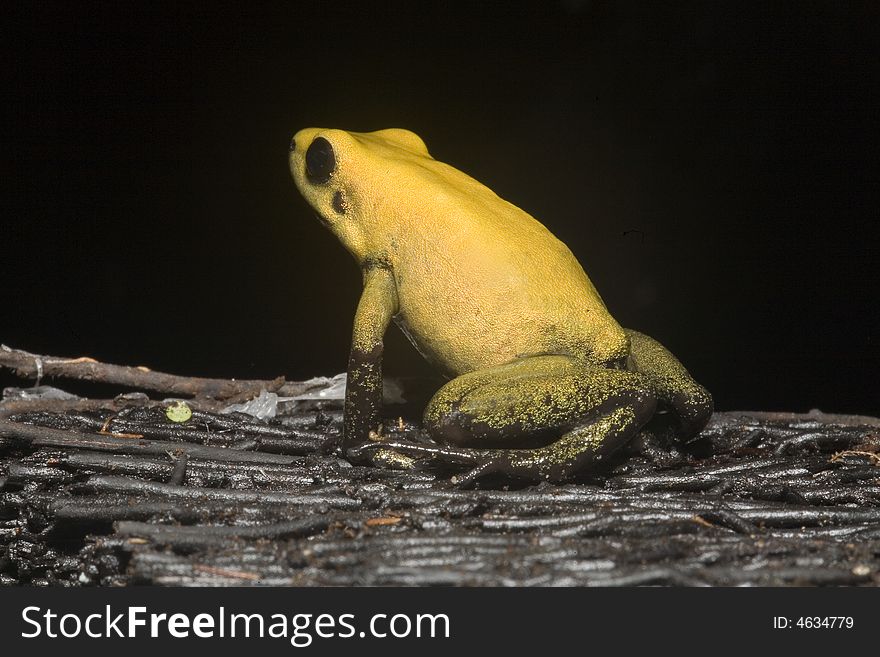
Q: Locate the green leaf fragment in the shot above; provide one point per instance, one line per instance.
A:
(178, 411)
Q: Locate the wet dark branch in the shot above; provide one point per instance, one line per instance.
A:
(46, 437)
(36, 366)
(218, 534)
(328, 499)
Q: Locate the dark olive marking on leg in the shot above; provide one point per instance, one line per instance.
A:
(363, 395)
(580, 412)
(524, 403)
(463, 429)
(578, 448)
(582, 446)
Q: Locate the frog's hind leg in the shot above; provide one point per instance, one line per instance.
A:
(676, 389)
(589, 410)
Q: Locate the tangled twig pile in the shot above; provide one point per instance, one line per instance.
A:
(112, 492)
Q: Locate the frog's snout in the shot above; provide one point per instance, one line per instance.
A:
(292, 146)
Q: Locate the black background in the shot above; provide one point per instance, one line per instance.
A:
(714, 166)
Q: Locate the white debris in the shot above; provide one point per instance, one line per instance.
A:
(35, 392)
(264, 407)
(321, 391)
(324, 389)
(333, 389)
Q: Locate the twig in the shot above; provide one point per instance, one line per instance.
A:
(179, 473)
(227, 573)
(202, 534)
(45, 437)
(333, 500)
(813, 416)
(35, 366)
(871, 456)
(10, 408)
(105, 509)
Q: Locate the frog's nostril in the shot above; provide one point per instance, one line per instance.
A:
(292, 144)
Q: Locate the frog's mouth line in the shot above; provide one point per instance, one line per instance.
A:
(324, 222)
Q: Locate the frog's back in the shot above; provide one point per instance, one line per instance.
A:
(481, 282)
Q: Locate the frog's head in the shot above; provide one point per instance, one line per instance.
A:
(354, 180)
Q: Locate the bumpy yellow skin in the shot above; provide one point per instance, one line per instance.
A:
(544, 380)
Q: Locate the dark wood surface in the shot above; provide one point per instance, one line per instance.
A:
(116, 494)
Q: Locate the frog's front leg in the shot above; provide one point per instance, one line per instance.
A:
(363, 390)
(543, 417)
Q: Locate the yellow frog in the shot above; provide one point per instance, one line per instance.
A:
(544, 382)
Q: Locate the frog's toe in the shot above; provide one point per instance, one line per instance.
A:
(694, 406)
(363, 452)
(368, 451)
(498, 465)
(469, 479)
(375, 451)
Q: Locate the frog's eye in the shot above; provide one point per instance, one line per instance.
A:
(320, 161)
